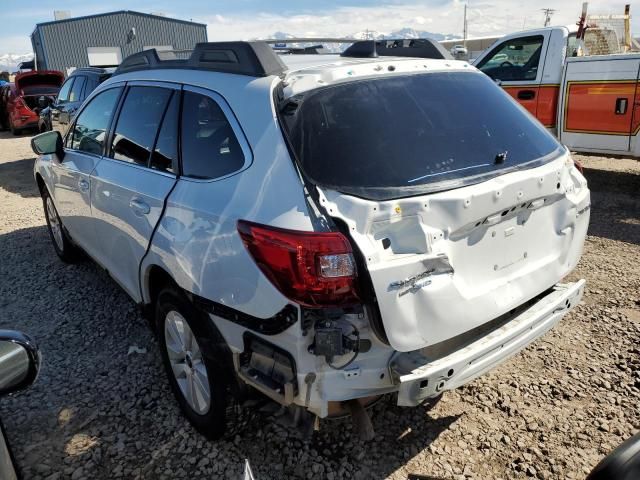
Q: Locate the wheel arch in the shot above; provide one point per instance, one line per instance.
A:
(40, 182)
(154, 279)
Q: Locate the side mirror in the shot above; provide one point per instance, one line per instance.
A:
(42, 101)
(48, 143)
(19, 361)
(621, 464)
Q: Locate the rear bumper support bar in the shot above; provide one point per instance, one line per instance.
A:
(418, 378)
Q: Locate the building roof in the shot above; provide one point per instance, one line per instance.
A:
(130, 12)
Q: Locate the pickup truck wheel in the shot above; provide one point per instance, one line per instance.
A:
(197, 363)
(62, 244)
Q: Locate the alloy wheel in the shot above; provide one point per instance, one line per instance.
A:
(186, 362)
(54, 224)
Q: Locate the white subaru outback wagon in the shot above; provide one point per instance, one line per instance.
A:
(322, 229)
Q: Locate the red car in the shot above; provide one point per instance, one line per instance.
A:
(19, 101)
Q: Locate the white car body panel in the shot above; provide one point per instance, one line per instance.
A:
(499, 261)
(197, 240)
(70, 187)
(127, 202)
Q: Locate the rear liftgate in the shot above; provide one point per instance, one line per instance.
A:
(450, 262)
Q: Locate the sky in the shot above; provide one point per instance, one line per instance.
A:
(246, 19)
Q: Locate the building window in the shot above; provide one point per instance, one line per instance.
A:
(104, 56)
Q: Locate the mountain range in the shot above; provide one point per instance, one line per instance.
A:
(375, 35)
(9, 61)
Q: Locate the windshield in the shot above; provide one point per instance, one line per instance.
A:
(411, 134)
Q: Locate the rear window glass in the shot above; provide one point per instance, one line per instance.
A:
(40, 90)
(210, 149)
(404, 135)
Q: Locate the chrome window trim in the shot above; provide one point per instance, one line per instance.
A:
(139, 167)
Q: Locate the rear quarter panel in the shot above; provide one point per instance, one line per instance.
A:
(197, 241)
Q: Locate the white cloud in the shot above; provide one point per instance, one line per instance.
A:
(495, 18)
(17, 44)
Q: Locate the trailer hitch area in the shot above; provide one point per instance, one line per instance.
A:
(330, 341)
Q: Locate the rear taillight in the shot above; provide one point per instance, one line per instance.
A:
(578, 166)
(311, 268)
(21, 106)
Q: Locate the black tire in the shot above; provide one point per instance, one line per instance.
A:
(14, 130)
(64, 247)
(223, 417)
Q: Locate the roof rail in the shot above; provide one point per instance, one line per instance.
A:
(312, 50)
(417, 48)
(255, 59)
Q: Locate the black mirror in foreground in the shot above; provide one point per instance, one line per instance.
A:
(19, 361)
(48, 143)
(19, 365)
(621, 464)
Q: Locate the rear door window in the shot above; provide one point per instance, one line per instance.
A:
(90, 129)
(138, 124)
(406, 135)
(76, 91)
(210, 148)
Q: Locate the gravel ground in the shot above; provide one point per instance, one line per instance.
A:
(96, 412)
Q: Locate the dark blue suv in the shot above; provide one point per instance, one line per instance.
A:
(75, 89)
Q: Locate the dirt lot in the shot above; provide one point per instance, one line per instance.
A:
(96, 412)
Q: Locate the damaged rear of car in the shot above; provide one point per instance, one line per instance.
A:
(463, 213)
(30, 93)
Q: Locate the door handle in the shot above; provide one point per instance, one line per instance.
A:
(83, 185)
(139, 206)
(621, 106)
(526, 94)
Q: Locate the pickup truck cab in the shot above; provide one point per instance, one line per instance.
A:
(589, 102)
(321, 229)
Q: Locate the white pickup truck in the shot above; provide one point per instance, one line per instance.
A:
(591, 103)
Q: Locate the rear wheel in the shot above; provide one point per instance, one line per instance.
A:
(62, 244)
(198, 364)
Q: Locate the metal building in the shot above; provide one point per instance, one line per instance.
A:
(106, 39)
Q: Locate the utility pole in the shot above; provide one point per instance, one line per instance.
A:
(627, 28)
(547, 15)
(464, 27)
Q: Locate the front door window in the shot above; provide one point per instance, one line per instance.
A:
(514, 60)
